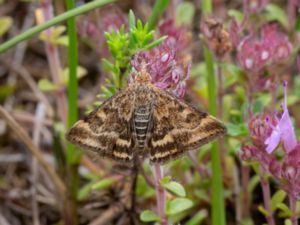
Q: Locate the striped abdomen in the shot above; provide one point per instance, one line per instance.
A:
(141, 124)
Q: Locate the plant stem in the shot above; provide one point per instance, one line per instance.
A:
(73, 162)
(267, 198)
(293, 207)
(245, 192)
(160, 194)
(220, 112)
(218, 208)
(58, 19)
(53, 58)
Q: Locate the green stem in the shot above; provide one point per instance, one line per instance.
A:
(218, 209)
(158, 9)
(73, 162)
(58, 19)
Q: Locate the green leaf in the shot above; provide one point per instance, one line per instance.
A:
(46, 85)
(85, 191)
(131, 19)
(198, 218)
(174, 187)
(236, 14)
(275, 12)
(263, 210)
(5, 24)
(277, 198)
(63, 40)
(178, 205)
(236, 129)
(55, 36)
(155, 43)
(149, 216)
(288, 222)
(254, 181)
(103, 184)
(285, 211)
(6, 90)
(81, 72)
(185, 13)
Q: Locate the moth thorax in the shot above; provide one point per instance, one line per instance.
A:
(141, 123)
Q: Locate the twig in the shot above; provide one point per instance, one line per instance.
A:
(160, 194)
(114, 211)
(20, 132)
(3, 220)
(20, 50)
(21, 70)
(39, 117)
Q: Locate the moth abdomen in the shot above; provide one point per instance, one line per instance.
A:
(141, 124)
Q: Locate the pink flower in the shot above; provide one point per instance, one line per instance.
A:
(249, 54)
(260, 127)
(271, 49)
(284, 131)
(278, 44)
(112, 18)
(289, 173)
(235, 32)
(165, 70)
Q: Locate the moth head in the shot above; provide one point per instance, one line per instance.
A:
(143, 76)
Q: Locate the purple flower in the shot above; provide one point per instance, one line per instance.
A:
(260, 127)
(163, 66)
(284, 131)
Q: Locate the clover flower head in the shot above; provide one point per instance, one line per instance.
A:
(163, 66)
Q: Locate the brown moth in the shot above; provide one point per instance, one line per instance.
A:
(142, 120)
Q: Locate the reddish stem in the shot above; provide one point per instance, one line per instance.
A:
(293, 207)
(267, 198)
(160, 194)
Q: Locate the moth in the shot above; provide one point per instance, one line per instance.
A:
(142, 121)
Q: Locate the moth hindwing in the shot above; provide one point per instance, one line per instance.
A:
(143, 120)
